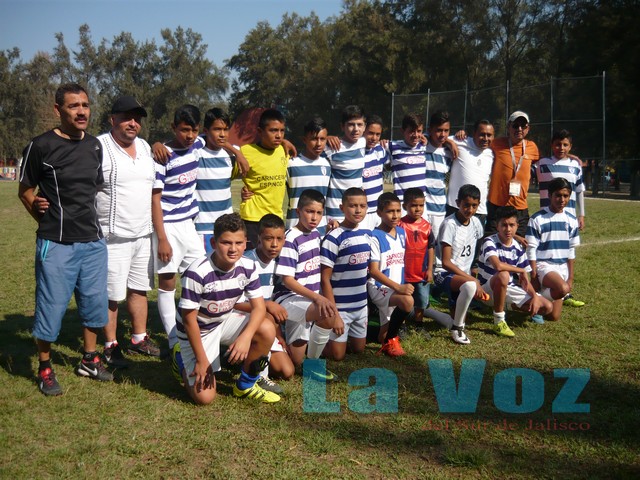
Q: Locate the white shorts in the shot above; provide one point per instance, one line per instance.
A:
(355, 326)
(371, 221)
(296, 327)
(186, 244)
(515, 295)
(435, 221)
(224, 334)
(380, 296)
(277, 346)
(544, 268)
(560, 268)
(130, 265)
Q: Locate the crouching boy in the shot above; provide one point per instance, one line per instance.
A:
(211, 287)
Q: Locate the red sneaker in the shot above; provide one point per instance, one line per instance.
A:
(392, 348)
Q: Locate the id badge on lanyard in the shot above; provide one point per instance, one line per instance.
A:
(515, 186)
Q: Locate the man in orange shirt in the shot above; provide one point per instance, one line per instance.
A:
(511, 173)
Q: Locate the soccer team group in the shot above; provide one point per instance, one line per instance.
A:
(266, 293)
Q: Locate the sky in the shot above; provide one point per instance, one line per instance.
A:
(31, 25)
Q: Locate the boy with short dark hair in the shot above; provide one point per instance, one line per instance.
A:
(309, 170)
(271, 235)
(211, 288)
(376, 157)
(267, 175)
(437, 164)
(503, 273)
(569, 167)
(310, 316)
(344, 259)
(456, 245)
(420, 256)
(347, 162)
(176, 242)
(386, 285)
(552, 235)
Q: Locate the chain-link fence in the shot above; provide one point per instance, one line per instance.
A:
(576, 104)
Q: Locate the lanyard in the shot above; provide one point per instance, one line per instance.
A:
(516, 168)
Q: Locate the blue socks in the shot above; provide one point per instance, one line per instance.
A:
(246, 381)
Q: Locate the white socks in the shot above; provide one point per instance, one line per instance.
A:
(498, 317)
(167, 312)
(467, 291)
(318, 338)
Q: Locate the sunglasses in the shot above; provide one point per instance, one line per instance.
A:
(521, 125)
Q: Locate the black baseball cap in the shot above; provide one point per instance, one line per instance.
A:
(128, 103)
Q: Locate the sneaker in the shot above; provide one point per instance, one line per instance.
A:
(269, 385)
(176, 362)
(113, 356)
(392, 348)
(94, 370)
(503, 329)
(458, 336)
(256, 393)
(537, 318)
(569, 301)
(145, 347)
(48, 384)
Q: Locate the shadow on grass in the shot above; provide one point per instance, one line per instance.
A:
(18, 351)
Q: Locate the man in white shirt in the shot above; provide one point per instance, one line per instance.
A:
(124, 213)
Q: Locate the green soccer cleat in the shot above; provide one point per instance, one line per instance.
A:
(256, 393)
(569, 301)
(503, 329)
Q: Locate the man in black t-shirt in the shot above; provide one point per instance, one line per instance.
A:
(64, 165)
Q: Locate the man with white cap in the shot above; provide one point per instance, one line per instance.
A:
(511, 173)
(124, 213)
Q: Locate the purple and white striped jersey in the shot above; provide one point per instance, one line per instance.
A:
(300, 259)
(214, 292)
(177, 180)
(407, 167)
(372, 175)
(514, 255)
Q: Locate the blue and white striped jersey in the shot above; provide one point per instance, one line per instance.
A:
(407, 167)
(346, 172)
(438, 164)
(213, 187)
(302, 174)
(372, 175)
(347, 252)
(300, 259)
(552, 237)
(570, 169)
(388, 251)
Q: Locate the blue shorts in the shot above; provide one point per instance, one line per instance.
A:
(65, 269)
(421, 291)
(442, 279)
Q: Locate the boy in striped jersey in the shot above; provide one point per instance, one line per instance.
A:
(376, 157)
(298, 287)
(215, 166)
(438, 164)
(503, 273)
(270, 242)
(562, 164)
(347, 162)
(386, 285)
(176, 242)
(552, 235)
(408, 157)
(344, 260)
(309, 170)
(211, 287)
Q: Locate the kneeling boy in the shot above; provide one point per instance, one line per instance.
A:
(211, 288)
(501, 260)
(344, 259)
(386, 285)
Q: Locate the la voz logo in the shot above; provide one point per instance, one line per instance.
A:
(452, 397)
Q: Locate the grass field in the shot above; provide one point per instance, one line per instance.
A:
(144, 426)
